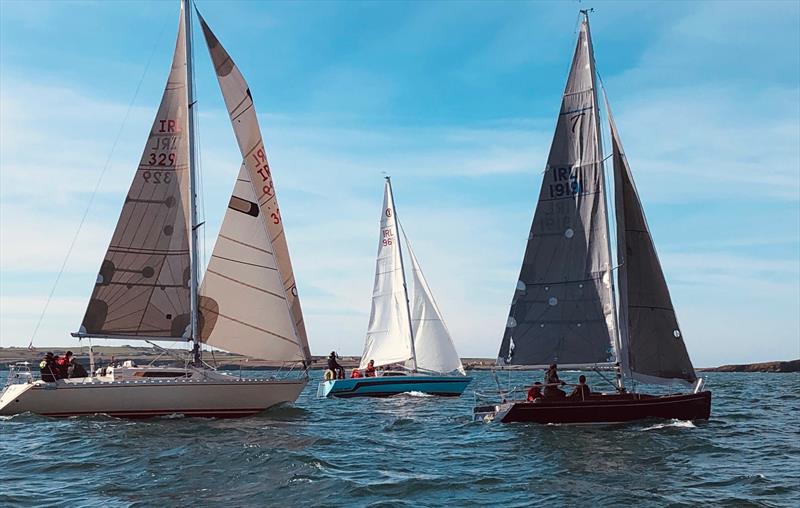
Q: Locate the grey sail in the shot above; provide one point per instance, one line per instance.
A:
(652, 342)
(562, 309)
(142, 289)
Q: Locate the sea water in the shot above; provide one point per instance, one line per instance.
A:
(414, 450)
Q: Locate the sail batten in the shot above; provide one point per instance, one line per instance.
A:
(143, 287)
(244, 121)
(562, 310)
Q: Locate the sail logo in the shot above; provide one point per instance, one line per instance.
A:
(388, 212)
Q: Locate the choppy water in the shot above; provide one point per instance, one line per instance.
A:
(413, 451)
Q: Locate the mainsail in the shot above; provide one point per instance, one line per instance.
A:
(243, 304)
(433, 346)
(562, 309)
(143, 288)
(653, 350)
(248, 135)
(389, 331)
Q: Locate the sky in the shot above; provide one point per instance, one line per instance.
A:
(457, 101)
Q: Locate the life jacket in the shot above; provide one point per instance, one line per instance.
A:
(355, 373)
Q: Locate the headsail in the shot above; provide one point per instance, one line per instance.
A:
(433, 344)
(652, 343)
(142, 289)
(562, 309)
(389, 331)
(243, 303)
(248, 134)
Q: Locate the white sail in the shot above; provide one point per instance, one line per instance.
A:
(389, 330)
(433, 345)
(243, 118)
(243, 304)
(142, 290)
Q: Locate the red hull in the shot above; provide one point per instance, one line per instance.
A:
(614, 408)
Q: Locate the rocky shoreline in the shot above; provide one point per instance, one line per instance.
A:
(228, 361)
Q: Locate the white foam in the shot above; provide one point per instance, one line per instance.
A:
(686, 424)
(415, 393)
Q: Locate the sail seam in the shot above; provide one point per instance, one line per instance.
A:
(257, 328)
(245, 244)
(246, 284)
(243, 262)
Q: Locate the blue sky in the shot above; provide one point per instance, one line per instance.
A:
(457, 101)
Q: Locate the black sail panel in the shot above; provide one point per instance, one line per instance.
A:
(562, 309)
(652, 341)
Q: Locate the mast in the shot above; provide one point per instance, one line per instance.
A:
(600, 159)
(403, 272)
(195, 269)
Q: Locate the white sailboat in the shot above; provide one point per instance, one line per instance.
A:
(406, 329)
(565, 309)
(148, 285)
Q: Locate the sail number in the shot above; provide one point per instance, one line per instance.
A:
(388, 236)
(157, 176)
(565, 183)
(262, 168)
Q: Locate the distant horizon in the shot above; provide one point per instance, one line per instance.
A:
(706, 99)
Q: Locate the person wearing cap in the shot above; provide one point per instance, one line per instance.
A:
(334, 366)
(47, 368)
(551, 381)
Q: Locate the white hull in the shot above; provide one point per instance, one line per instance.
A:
(211, 397)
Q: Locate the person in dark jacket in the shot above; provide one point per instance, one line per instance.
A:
(334, 366)
(75, 369)
(551, 381)
(47, 368)
(582, 391)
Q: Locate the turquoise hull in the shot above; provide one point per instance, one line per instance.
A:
(385, 386)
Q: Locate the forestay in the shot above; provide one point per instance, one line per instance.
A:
(562, 309)
(241, 110)
(389, 332)
(652, 343)
(243, 305)
(142, 290)
(433, 345)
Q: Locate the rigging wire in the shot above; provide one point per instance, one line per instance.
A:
(97, 186)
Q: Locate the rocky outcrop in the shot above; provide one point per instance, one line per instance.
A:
(790, 366)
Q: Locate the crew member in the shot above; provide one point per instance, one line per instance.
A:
(47, 368)
(582, 391)
(370, 370)
(535, 391)
(334, 366)
(551, 381)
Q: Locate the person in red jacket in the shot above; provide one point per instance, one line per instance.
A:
(535, 391)
(62, 365)
(370, 370)
(355, 373)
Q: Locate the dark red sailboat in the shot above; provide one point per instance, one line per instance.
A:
(566, 309)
